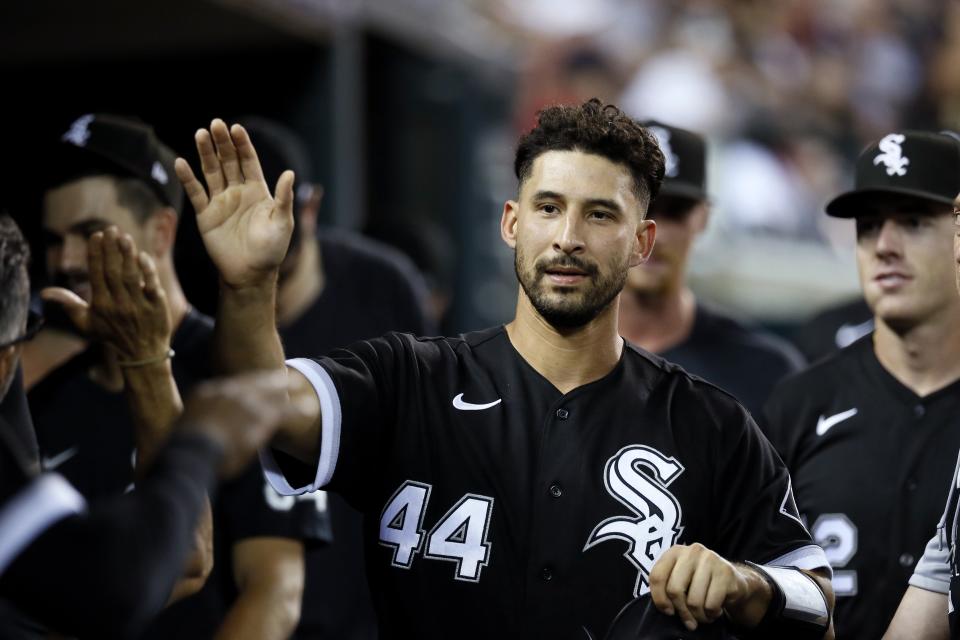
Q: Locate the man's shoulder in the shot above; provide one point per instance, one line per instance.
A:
(347, 250)
(825, 377)
(688, 393)
(751, 342)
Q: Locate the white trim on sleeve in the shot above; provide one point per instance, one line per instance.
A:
(330, 422)
(807, 558)
(31, 511)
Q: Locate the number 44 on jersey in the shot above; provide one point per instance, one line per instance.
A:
(460, 536)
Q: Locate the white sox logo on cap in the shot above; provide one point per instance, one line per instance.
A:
(79, 131)
(892, 157)
(672, 161)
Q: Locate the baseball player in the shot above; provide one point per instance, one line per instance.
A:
(528, 480)
(659, 311)
(870, 434)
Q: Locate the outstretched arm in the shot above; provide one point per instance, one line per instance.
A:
(128, 313)
(921, 614)
(247, 231)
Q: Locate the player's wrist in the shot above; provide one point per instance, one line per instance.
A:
(250, 286)
(750, 610)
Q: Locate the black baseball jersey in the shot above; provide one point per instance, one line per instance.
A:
(369, 289)
(869, 460)
(85, 431)
(497, 506)
(28, 504)
(745, 361)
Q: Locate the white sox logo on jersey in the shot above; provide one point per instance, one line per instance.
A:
(638, 476)
(892, 157)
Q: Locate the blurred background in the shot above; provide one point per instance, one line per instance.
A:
(412, 108)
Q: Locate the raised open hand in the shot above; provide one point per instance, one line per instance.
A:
(128, 307)
(246, 230)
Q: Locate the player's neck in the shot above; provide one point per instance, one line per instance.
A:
(924, 358)
(303, 286)
(567, 358)
(657, 321)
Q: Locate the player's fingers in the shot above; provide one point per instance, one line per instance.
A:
(713, 602)
(697, 591)
(677, 585)
(99, 294)
(249, 162)
(227, 152)
(283, 195)
(132, 280)
(658, 582)
(152, 290)
(113, 265)
(191, 186)
(210, 163)
(75, 306)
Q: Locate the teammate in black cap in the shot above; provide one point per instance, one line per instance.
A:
(659, 312)
(870, 434)
(113, 170)
(527, 480)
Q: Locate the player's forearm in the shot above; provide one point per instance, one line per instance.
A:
(245, 337)
(154, 405)
(200, 562)
(262, 613)
(921, 614)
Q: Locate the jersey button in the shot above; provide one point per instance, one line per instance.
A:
(912, 484)
(546, 574)
(556, 490)
(906, 560)
(919, 411)
(563, 414)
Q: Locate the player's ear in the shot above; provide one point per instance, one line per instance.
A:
(700, 216)
(643, 242)
(508, 223)
(162, 226)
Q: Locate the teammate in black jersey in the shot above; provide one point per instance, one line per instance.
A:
(658, 310)
(870, 435)
(528, 480)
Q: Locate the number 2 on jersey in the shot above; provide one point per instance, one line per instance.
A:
(460, 536)
(838, 537)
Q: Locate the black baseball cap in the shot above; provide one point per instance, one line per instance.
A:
(921, 164)
(685, 153)
(116, 145)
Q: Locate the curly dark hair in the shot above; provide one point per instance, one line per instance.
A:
(600, 129)
(14, 282)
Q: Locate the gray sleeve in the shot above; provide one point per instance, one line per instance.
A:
(933, 571)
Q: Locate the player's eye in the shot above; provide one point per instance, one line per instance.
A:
(956, 217)
(549, 208)
(600, 215)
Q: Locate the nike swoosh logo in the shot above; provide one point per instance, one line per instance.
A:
(55, 461)
(458, 403)
(850, 333)
(825, 424)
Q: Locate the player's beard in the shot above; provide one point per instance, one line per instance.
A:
(576, 308)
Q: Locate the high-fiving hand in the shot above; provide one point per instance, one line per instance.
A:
(246, 230)
(128, 307)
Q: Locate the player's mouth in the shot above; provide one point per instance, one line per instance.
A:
(889, 280)
(566, 275)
